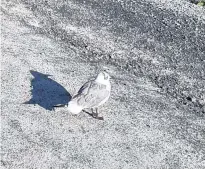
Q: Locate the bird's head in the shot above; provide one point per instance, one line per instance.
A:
(103, 77)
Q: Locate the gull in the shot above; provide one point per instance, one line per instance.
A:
(91, 95)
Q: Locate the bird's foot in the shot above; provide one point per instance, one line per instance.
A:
(99, 118)
(94, 115)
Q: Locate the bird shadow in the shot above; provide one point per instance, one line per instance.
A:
(46, 92)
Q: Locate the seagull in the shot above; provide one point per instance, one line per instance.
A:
(91, 95)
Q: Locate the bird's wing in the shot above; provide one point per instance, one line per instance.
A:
(91, 94)
(84, 89)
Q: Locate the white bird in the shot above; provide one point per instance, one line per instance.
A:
(92, 94)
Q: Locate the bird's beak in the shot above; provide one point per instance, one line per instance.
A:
(111, 77)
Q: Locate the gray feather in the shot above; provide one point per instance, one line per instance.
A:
(91, 94)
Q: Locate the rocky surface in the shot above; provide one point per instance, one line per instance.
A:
(156, 53)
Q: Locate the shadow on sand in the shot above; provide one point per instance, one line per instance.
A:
(46, 92)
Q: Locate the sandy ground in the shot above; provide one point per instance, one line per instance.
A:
(48, 54)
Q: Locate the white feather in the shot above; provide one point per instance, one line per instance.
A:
(74, 108)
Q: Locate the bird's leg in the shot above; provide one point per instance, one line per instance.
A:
(95, 114)
(97, 117)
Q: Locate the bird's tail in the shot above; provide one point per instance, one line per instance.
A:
(74, 108)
